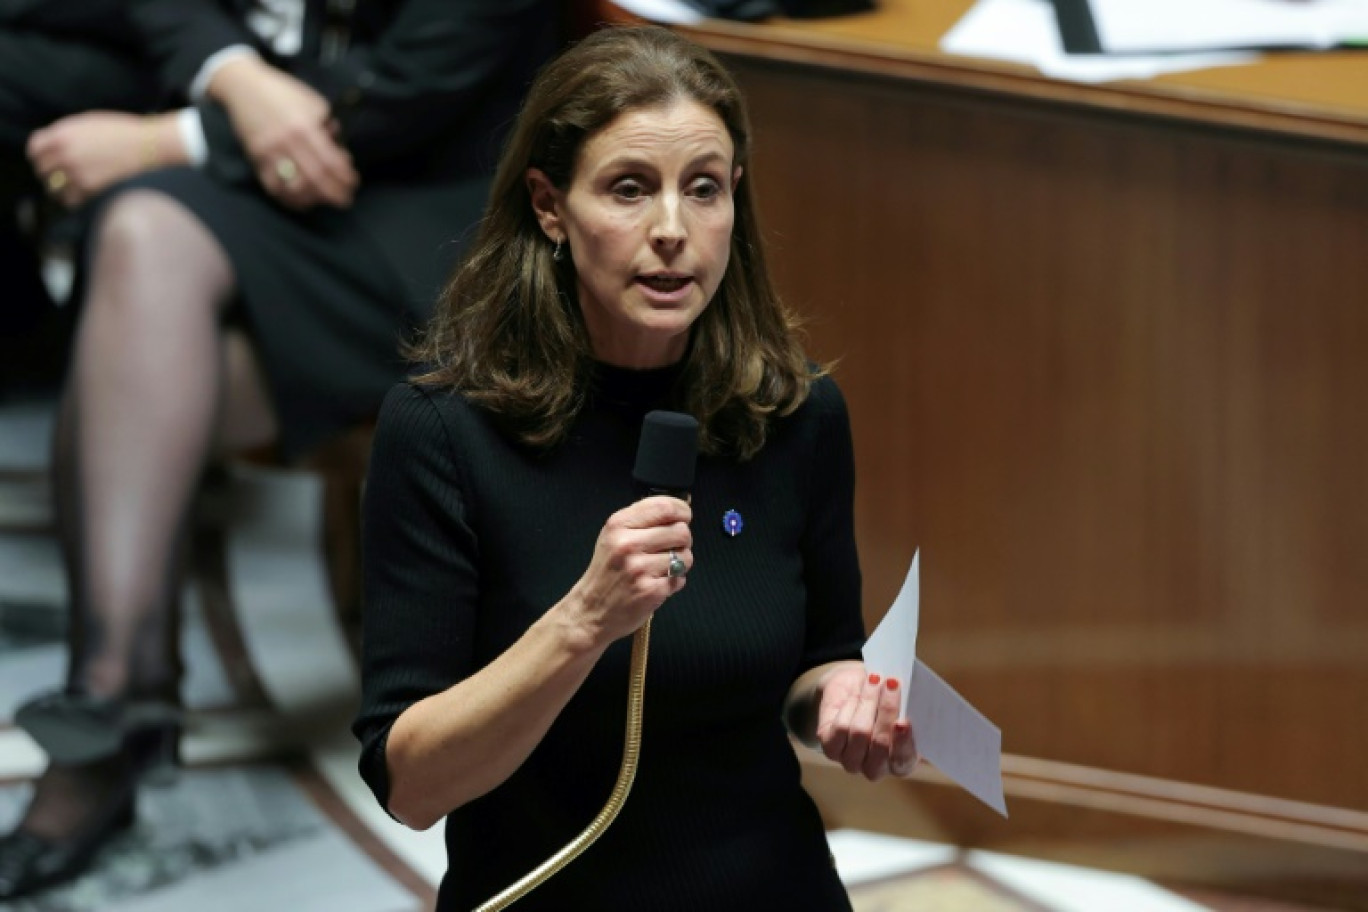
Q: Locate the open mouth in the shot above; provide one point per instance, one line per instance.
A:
(664, 284)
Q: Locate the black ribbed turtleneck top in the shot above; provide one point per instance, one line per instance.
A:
(469, 536)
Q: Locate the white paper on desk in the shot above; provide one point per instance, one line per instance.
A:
(1026, 31)
(953, 735)
(666, 12)
(1151, 26)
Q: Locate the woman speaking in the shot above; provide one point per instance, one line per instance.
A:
(509, 555)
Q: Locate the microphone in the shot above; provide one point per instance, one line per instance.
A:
(666, 457)
(667, 453)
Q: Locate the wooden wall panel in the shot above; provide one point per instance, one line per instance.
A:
(1109, 372)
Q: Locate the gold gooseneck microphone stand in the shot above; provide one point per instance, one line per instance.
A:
(631, 750)
(666, 455)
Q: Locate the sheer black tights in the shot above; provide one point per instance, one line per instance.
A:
(144, 403)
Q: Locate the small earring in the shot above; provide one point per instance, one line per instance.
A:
(558, 254)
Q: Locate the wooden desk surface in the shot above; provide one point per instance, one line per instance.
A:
(1317, 95)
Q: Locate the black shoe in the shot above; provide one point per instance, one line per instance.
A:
(75, 728)
(29, 863)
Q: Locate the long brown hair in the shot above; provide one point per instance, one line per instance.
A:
(508, 333)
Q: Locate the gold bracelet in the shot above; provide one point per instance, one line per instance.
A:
(151, 160)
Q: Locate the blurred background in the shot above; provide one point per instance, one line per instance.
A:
(1098, 296)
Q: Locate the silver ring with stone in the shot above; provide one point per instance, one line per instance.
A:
(676, 567)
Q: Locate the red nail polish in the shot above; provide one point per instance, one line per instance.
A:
(892, 683)
(873, 679)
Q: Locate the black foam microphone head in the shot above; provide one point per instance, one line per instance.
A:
(667, 451)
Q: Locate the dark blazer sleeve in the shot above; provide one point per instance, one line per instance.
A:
(181, 34)
(437, 60)
(418, 77)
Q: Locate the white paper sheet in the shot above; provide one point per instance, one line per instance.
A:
(954, 736)
(1148, 26)
(1026, 31)
(891, 649)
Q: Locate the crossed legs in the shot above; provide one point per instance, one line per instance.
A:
(153, 379)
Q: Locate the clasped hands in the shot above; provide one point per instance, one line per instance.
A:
(288, 132)
(284, 125)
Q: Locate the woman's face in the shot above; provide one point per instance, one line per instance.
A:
(648, 220)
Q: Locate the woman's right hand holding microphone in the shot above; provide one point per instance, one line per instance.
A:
(629, 576)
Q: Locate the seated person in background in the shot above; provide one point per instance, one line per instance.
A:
(57, 58)
(618, 269)
(252, 288)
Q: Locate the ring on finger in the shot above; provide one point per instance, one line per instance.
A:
(286, 169)
(57, 181)
(676, 566)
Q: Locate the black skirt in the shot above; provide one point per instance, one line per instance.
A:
(321, 294)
